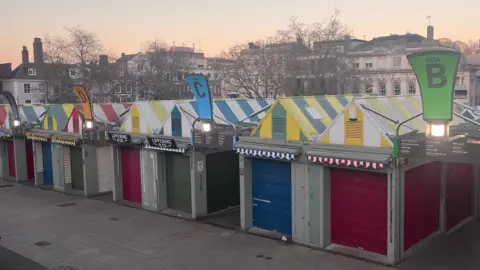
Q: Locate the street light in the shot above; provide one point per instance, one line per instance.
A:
(16, 122)
(206, 127)
(437, 130)
(89, 124)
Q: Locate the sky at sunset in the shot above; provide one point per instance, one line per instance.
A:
(213, 25)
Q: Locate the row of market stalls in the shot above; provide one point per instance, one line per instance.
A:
(321, 170)
(53, 150)
(168, 170)
(317, 169)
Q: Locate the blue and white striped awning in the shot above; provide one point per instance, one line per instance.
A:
(269, 154)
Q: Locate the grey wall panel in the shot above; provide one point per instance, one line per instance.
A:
(117, 173)
(161, 179)
(198, 177)
(314, 203)
(246, 219)
(104, 169)
(299, 203)
(149, 186)
(325, 223)
(57, 167)
(21, 172)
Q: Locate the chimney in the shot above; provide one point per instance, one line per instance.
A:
(37, 51)
(123, 54)
(103, 60)
(25, 54)
(430, 32)
(251, 45)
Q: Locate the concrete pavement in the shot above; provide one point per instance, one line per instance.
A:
(56, 229)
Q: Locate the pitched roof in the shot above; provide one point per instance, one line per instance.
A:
(57, 117)
(127, 57)
(303, 117)
(377, 122)
(230, 109)
(110, 113)
(147, 116)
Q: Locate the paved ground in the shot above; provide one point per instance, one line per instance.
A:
(92, 234)
(95, 235)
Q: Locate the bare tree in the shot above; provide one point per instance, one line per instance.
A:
(466, 48)
(75, 61)
(160, 72)
(298, 60)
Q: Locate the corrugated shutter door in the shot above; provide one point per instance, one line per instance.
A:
(67, 165)
(104, 169)
(38, 157)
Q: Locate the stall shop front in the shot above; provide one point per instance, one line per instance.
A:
(268, 172)
(126, 150)
(216, 165)
(354, 198)
(372, 122)
(67, 150)
(166, 175)
(43, 156)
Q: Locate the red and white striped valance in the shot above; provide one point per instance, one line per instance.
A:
(347, 162)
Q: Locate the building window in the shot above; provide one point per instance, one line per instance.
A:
(118, 99)
(140, 66)
(397, 61)
(1, 86)
(28, 101)
(368, 65)
(118, 89)
(368, 86)
(41, 88)
(412, 88)
(355, 65)
(73, 73)
(397, 90)
(129, 88)
(32, 72)
(382, 89)
(56, 88)
(60, 72)
(42, 101)
(120, 72)
(26, 88)
(128, 99)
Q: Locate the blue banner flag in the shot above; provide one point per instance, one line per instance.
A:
(199, 85)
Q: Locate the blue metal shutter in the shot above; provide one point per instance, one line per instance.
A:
(272, 195)
(47, 164)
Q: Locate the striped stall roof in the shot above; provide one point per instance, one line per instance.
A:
(376, 121)
(110, 113)
(105, 113)
(32, 113)
(57, 117)
(181, 118)
(5, 116)
(147, 117)
(301, 118)
(397, 108)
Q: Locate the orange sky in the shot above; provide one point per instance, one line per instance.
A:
(213, 25)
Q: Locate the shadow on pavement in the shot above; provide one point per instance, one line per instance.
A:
(10, 260)
(460, 250)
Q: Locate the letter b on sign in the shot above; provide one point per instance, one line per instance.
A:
(436, 75)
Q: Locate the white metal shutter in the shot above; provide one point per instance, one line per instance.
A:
(104, 169)
(67, 165)
(38, 157)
